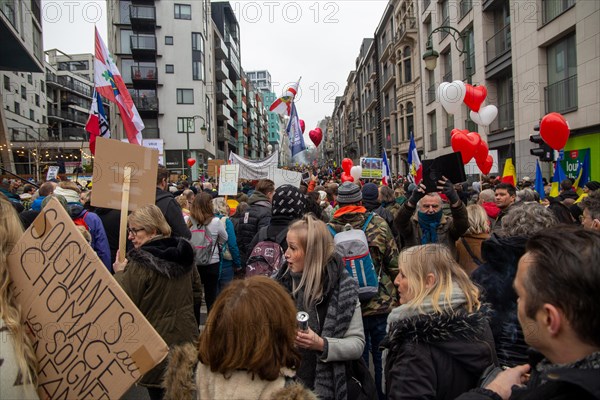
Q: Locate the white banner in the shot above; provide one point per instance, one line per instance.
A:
(228, 180)
(253, 170)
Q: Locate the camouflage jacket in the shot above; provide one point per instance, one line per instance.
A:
(384, 253)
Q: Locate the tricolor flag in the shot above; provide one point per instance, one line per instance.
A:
(110, 85)
(509, 175)
(539, 182)
(97, 124)
(557, 178)
(295, 132)
(283, 105)
(416, 169)
(385, 171)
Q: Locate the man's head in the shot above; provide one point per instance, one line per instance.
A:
(590, 219)
(557, 282)
(566, 185)
(504, 195)
(349, 194)
(486, 196)
(430, 204)
(266, 187)
(29, 189)
(47, 188)
(162, 177)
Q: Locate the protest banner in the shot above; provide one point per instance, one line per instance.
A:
(52, 172)
(228, 180)
(285, 177)
(90, 339)
(254, 170)
(213, 167)
(371, 167)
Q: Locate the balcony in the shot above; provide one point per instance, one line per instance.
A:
(143, 18)
(70, 134)
(221, 91)
(447, 77)
(498, 44)
(464, 7)
(444, 33)
(408, 24)
(469, 68)
(146, 104)
(222, 134)
(63, 82)
(221, 70)
(505, 119)
(388, 79)
(221, 50)
(223, 114)
(69, 115)
(561, 97)
(144, 77)
(143, 47)
(431, 94)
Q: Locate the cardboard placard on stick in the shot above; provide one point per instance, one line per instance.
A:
(213, 167)
(228, 180)
(90, 339)
(112, 156)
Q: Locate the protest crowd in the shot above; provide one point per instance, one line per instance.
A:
(342, 290)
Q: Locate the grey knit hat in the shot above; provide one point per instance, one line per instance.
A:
(287, 200)
(349, 193)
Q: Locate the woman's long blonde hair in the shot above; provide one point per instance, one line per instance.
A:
(417, 262)
(10, 232)
(317, 243)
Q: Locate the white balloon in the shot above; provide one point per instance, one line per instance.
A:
(451, 95)
(485, 116)
(356, 172)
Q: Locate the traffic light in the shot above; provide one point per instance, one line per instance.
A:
(543, 152)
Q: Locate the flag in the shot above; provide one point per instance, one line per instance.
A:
(294, 132)
(559, 176)
(385, 171)
(583, 176)
(110, 85)
(539, 182)
(97, 124)
(416, 170)
(509, 175)
(283, 105)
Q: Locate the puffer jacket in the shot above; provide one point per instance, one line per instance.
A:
(257, 216)
(172, 212)
(384, 253)
(96, 228)
(451, 228)
(162, 281)
(437, 356)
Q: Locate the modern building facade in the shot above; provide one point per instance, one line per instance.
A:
(261, 80)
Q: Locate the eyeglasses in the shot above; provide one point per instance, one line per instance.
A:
(134, 231)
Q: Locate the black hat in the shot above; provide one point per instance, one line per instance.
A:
(370, 191)
(288, 200)
(593, 185)
(349, 193)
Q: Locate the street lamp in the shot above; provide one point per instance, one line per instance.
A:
(430, 56)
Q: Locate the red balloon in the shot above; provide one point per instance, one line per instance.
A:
(191, 161)
(554, 129)
(467, 144)
(347, 165)
(347, 177)
(482, 152)
(316, 136)
(486, 166)
(302, 126)
(475, 96)
(456, 130)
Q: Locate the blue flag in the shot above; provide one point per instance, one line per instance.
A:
(539, 183)
(294, 132)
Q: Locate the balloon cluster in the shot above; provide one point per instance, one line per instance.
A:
(352, 173)
(453, 94)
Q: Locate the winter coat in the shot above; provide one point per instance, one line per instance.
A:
(393, 208)
(111, 220)
(376, 207)
(474, 242)
(437, 356)
(230, 246)
(450, 229)
(278, 224)
(257, 216)
(172, 212)
(496, 278)
(99, 240)
(159, 278)
(384, 253)
(10, 374)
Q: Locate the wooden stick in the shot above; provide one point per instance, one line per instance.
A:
(124, 209)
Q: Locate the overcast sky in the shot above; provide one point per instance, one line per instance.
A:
(316, 40)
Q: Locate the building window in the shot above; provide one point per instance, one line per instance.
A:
(6, 82)
(30, 78)
(37, 99)
(17, 108)
(401, 123)
(23, 92)
(185, 125)
(561, 92)
(125, 42)
(410, 124)
(31, 115)
(553, 8)
(197, 56)
(185, 96)
(447, 60)
(448, 130)
(169, 40)
(43, 86)
(183, 11)
(170, 69)
(469, 57)
(407, 64)
(433, 135)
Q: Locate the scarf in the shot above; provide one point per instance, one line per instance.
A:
(591, 361)
(429, 224)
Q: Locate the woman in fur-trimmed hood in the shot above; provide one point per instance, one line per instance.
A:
(161, 279)
(439, 341)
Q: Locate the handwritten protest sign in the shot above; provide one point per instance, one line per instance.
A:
(90, 339)
(213, 167)
(285, 177)
(228, 180)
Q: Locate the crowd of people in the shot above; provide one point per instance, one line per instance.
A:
(483, 291)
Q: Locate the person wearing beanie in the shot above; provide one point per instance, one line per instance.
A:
(384, 253)
(370, 193)
(288, 205)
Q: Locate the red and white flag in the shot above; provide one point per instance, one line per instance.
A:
(97, 124)
(385, 171)
(110, 85)
(283, 105)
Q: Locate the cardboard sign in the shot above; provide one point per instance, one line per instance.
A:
(52, 172)
(112, 156)
(213, 167)
(228, 180)
(91, 341)
(449, 166)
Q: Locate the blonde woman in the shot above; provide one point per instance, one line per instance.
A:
(16, 350)
(321, 287)
(439, 341)
(468, 247)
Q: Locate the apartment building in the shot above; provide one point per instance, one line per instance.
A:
(261, 80)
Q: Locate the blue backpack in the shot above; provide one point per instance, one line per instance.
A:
(353, 246)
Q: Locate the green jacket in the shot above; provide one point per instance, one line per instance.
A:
(384, 253)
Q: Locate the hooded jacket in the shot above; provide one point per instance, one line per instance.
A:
(96, 228)
(496, 278)
(257, 216)
(162, 281)
(437, 356)
(172, 212)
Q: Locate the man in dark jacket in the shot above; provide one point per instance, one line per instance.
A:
(169, 206)
(257, 216)
(505, 196)
(557, 282)
(421, 219)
